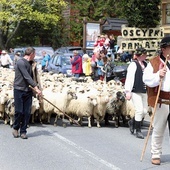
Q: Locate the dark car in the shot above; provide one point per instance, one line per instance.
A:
(120, 72)
(69, 50)
(60, 63)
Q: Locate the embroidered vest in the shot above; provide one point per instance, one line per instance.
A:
(152, 91)
(139, 86)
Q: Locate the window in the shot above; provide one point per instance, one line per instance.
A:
(168, 14)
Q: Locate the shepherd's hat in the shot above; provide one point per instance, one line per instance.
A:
(165, 42)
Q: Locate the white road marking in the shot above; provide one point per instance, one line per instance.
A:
(90, 154)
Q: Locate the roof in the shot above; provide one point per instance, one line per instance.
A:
(113, 24)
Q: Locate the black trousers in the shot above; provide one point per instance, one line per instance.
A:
(23, 103)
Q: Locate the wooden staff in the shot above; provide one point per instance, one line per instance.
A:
(154, 110)
(56, 107)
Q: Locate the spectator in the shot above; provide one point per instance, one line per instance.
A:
(17, 57)
(112, 42)
(76, 62)
(100, 64)
(44, 62)
(87, 70)
(94, 63)
(5, 59)
(106, 69)
(106, 43)
(97, 42)
(125, 57)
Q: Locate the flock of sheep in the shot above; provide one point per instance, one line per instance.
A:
(72, 98)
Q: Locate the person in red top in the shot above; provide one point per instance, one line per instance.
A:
(76, 62)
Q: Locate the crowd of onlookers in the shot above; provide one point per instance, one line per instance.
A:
(100, 64)
(6, 60)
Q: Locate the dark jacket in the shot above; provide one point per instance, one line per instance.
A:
(23, 75)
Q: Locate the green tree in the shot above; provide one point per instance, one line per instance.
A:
(92, 10)
(45, 13)
(140, 13)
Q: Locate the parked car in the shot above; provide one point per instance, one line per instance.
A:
(39, 50)
(69, 50)
(21, 50)
(38, 53)
(60, 63)
(120, 72)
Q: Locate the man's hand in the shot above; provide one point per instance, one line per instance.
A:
(128, 95)
(162, 72)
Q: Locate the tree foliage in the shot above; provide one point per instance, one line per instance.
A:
(35, 22)
(92, 10)
(45, 13)
(140, 13)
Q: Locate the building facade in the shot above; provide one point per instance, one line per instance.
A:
(165, 18)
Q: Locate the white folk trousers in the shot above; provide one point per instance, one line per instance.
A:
(159, 126)
(140, 102)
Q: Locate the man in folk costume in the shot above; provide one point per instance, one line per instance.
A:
(136, 90)
(156, 71)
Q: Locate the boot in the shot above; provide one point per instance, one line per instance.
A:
(138, 130)
(131, 124)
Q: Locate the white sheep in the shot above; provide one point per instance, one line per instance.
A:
(3, 100)
(35, 106)
(59, 99)
(127, 109)
(63, 100)
(82, 107)
(100, 108)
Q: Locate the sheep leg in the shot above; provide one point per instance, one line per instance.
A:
(117, 121)
(106, 118)
(89, 121)
(92, 120)
(32, 121)
(55, 121)
(80, 120)
(11, 120)
(49, 118)
(98, 122)
(6, 119)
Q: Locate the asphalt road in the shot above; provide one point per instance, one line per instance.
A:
(78, 148)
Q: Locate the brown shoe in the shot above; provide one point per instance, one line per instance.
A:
(156, 161)
(24, 136)
(15, 133)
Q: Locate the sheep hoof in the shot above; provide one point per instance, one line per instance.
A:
(64, 125)
(55, 124)
(5, 122)
(116, 125)
(89, 126)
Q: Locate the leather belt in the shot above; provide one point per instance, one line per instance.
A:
(164, 95)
